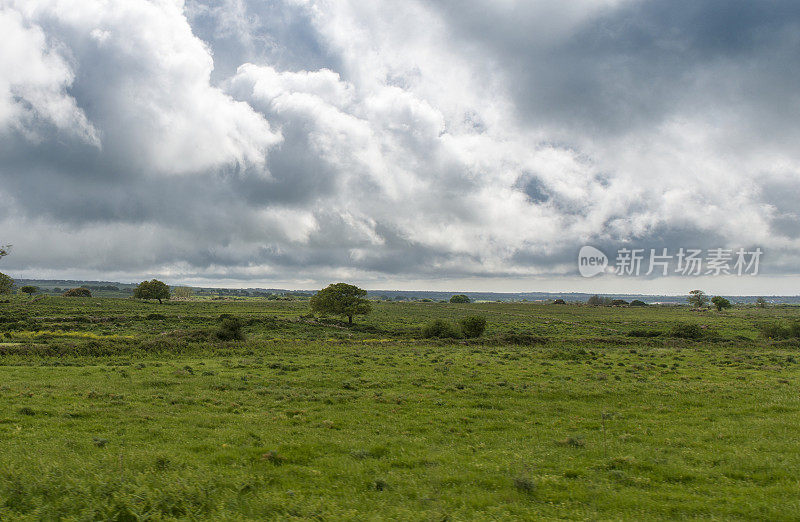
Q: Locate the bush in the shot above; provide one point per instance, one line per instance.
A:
(780, 331)
(441, 329)
(619, 302)
(473, 326)
(230, 329)
(637, 302)
(686, 331)
(460, 298)
(78, 292)
(559, 301)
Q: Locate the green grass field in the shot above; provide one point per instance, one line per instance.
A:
(125, 410)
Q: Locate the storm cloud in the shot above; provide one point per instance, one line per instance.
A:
(301, 141)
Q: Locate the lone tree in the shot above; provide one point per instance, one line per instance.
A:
(720, 302)
(153, 289)
(697, 298)
(341, 299)
(28, 289)
(459, 298)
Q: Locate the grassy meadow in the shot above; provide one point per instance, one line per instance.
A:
(128, 410)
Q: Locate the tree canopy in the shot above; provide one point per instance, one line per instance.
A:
(29, 289)
(6, 284)
(153, 289)
(460, 298)
(697, 298)
(720, 302)
(341, 299)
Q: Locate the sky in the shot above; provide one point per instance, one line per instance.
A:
(439, 144)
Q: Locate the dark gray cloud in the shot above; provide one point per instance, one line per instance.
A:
(307, 141)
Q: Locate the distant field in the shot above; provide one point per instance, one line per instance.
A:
(118, 409)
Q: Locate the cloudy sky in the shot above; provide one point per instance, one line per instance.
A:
(435, 144)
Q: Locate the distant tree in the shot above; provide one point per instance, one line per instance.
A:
(697, 298)
(619, 302)
(761, 302)
(459, 298)
(29, 289)
(78, 292)
(153, 289)
(182, 292)
(341, 299)
(473, 326)
(57, 290)
(6, 284)
(559, 302)
(595, 300)
(637, 302)
(720, 302)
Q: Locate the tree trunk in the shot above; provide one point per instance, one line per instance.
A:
(350, 319)
(159, 301)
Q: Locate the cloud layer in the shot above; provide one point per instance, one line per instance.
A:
(306, 141)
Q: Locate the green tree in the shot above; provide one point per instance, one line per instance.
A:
(341, 299)
(29, 289)
(153, 289)
(459, 298)
(6, 284)
(697, 298)
(720, 302)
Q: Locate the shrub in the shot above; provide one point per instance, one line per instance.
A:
(619, 302)
(441, 329)
(559, 301)
(230, 329)
(686, 331)
(637, 302)
(780, 331)
(473, 326)
(774, 331)
(459, 298)
(78, 292)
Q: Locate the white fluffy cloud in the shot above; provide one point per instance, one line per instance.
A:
(384, 141)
